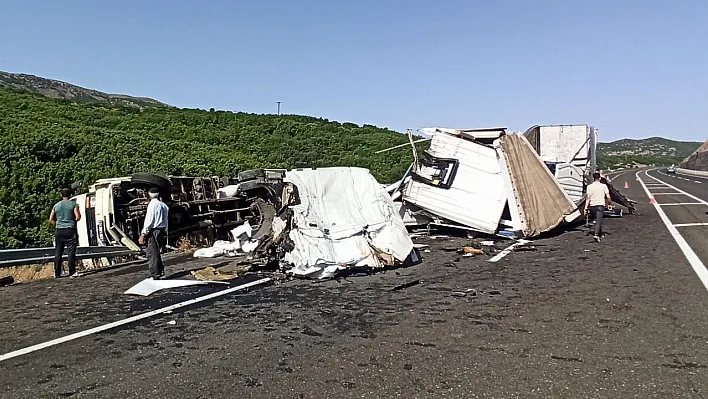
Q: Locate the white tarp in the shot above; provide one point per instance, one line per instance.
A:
(149, 286)
(345, 218)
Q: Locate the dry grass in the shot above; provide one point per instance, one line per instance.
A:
(23, 274)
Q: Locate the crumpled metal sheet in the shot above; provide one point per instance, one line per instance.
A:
(542, 203)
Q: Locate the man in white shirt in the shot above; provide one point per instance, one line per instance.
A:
(596, 201)
(155, 232)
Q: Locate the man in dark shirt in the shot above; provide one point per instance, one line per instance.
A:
(64, 215)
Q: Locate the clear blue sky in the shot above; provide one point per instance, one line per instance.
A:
(632, 68)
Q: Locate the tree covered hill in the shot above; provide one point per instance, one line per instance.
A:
(46, 144)
(643, 152)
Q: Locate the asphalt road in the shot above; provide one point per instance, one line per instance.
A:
(687, 216)
(573, 319)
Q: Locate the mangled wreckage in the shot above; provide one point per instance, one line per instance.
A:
(330, 220)
(487, 181)
(309, 222)
(319, 222)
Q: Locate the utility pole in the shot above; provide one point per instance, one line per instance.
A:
(278, 107)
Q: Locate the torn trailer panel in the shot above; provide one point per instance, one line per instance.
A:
(459, 180)
(536, 196)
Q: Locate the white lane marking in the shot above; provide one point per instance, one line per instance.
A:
(696, 181)
(508, 250)
(133, 319)
(690, 224)
(676, 193)
(691, 256)
(682, 192)
(682, 203)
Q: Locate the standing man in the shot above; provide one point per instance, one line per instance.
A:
(155, 232)
(596, 201)
(64, 215)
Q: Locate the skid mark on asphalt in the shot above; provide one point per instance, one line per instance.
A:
(688, 252)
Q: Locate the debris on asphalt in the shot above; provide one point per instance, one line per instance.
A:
(211, 273)
(508, 250)
(8, 280)
(469, 291)
(150, 286)
(471, 250)
(406, 285)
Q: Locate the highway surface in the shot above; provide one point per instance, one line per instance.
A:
(624, 318)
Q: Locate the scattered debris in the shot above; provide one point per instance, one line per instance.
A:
(488, 243)
(150, 286)
(471, 250)
(508, 250)
(210, 273)
(469, 291)
(8, 280)
(406, 285)
(172, 322)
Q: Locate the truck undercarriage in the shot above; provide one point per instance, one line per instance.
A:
(200, 209)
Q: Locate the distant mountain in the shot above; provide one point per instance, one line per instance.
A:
(67, 91)
(698, 160)
(653, 151)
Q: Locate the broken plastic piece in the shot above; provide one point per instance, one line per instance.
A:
(149, 286)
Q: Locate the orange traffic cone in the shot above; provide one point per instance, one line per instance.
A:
(626, 185)
(651, 200)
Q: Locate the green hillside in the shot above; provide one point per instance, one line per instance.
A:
(653, 151)
(48, 143)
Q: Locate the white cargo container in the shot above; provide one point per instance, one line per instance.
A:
(569, 151)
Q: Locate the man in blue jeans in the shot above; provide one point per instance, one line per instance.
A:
(64, 215)
(597, 200)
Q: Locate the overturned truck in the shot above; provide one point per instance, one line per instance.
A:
(312, 222)
(200, 208)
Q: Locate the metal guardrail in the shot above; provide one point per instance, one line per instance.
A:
(690, 172)
(20, 257)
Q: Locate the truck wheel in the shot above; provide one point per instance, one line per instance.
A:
(251, 174)
(161, 182)
(265, 213)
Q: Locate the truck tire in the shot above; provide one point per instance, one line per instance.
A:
(251, 174)
(265, 215)
(153, 180)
